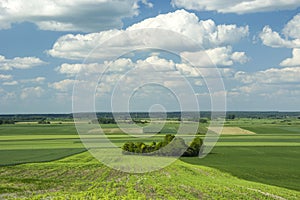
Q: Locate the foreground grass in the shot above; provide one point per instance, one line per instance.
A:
(82, 177)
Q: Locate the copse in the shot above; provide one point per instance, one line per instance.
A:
(170, 146)
(6, 121)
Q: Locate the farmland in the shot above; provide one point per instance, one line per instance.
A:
(40, 161)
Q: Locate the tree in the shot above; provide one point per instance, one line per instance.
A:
(194, 148)
(175, 148)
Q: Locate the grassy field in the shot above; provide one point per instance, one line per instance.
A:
(82, 177)
(24, 143)
(264, 165)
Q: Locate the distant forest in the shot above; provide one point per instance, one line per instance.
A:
(145, 115)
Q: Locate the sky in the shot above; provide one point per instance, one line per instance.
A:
(115, 55)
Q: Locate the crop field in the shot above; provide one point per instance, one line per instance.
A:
(50, 162)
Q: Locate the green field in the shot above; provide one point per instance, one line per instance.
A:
(49, 161)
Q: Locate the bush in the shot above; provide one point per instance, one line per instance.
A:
(43, 121)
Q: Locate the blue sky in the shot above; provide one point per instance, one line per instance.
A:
(43, 44)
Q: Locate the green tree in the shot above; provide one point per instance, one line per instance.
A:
(175, 148)
(194, 148)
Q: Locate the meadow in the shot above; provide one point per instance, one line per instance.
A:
(48, 161)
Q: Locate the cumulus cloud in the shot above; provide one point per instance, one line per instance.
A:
(294, 61)
(289, 75)
(223, 56)
(290, 38)
(149, 4)
(69, 15)
(64, 85)
(220, 56)
(292, 28)
(262, 87)
(19, 63)
(74, 69)
(178, 26)
(10, 83)
(37, 80)
(32, 92)
(273, 39)
(204, 32)
(6, 96)
(77, 47)
(5, 77)
(118, 65)
(112, 71)
(236, 6)
(126, 75)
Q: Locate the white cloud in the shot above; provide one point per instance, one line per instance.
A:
(290, 37)
(126, 74)
(74, 69)
(38, 80)
(273, 39)
(5, 77)
(292, 28)
(204, 32)
(271, 76)
(224, 56)
(156, 63)
(220, 56)
(115, 66)
(149, 4)
(146, 33)
(236, 6)
(7, 97)
(10, 83)
(32, 92)
(77, 47)
(19, 63)
(294, 61)
(267, 89)
(64, 85)
(68, 15)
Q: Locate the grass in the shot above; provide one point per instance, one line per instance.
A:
(14, 157)
(270, 165)
(261, 166)
(82, 177)
(23, 143)
(38, 129)
(274, 129)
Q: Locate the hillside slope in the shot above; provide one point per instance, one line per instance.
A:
(82, 177)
